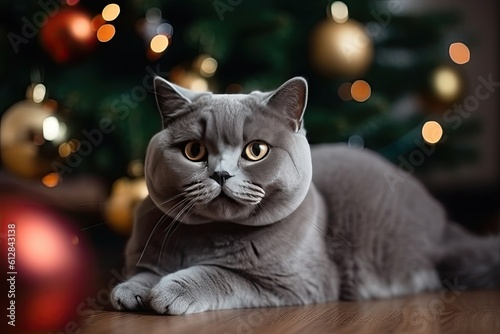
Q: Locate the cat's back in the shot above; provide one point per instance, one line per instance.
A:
(360, 185)
(343, 168)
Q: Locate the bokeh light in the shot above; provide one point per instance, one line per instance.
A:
(459, 53)
(81, 27)
(153, 15)
(50, 128)
(51, 180)
(44, 248)
(106, 33)
(361, 90)
(344, 91)
(39, 92)
(111, 12)
(432, 132)
(198, 85)
(74, 144)
(208, 67)
(356, 141)
(65, 150)
(165, 29)
(340, 13)
(446, 83)
(159, 43)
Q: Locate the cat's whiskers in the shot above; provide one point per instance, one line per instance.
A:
(149, 238)
(162, 219)
(185, 209)
(165, 202)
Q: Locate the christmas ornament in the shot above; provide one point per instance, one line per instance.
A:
(341, 48)
(30, 135)
(50, 274)
(68, 35)
(126, 193)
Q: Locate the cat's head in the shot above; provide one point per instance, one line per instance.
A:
(236, 158)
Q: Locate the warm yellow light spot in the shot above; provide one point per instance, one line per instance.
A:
(360, 90)
(344, 91)
(208, 67)
(50, 128)
(459, 53)
(74, 144)
(339, 11)
(105, 33)
(64, 150)
(39, 92)
(446, 84)
(51, 180)
(81, 27)
(111, 12)
(432, 132)
(159, 43)
(136, 168)
(198, 85)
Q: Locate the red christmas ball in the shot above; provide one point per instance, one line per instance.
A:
(47, 265)
(68, 35)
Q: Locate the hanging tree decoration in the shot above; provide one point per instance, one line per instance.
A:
(68, 36)
(340, 45)
(31, 133)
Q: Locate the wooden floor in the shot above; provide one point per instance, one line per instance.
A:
(450, 311)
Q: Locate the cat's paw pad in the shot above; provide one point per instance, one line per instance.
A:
(176, 298)
(130, 296)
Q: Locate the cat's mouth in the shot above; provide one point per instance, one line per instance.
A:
(224, 196)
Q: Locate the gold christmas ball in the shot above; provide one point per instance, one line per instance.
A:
(25, 128)
(341, 48)
(126, 194)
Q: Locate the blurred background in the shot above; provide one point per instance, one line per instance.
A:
(415, 80)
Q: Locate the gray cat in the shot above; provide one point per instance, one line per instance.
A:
(243, 213)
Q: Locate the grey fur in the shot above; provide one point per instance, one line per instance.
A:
(300, 226)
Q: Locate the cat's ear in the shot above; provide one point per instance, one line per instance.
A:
(290, 99)
(172, 100)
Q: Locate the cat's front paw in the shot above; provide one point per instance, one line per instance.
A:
(130, 296)
(174, 296)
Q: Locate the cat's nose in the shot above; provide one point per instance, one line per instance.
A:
(220, 177)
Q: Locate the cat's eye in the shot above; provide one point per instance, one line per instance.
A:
(255, 151)
(195, 151)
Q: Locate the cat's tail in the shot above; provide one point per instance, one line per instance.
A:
(472, 260)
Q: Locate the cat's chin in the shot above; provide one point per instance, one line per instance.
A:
(224, 208)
